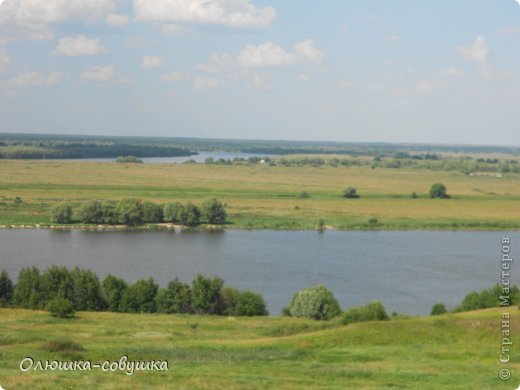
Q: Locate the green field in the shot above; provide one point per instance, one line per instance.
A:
(261, 196)
(445, 352)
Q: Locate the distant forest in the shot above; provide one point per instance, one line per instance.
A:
(47, 146)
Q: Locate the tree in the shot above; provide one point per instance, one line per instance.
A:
(140, 297)
(172, 212)
(176, 298)
(213, 211)
(438, 309)
(27, 292)
(251, 304)
(56, 282)
(87, 291)
(152, 212)
(113, 289)
(6, 289)
(438, 190)
(91, 211)
(317, 303)
(190, 215)
(350, 192)
(61, 213)
(205, 295)
(110, 213)
(61, 308)
(374, 311)
(130, 211)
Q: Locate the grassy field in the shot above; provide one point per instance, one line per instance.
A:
(445, 352)
(260, 196)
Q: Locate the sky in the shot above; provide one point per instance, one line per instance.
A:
(355, 71)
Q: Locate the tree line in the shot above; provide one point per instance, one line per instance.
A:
(64, 291)
(134, 212)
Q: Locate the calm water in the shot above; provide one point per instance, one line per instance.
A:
(407, 271)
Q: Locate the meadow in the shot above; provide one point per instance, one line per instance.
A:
(455, 351)
(262, 196)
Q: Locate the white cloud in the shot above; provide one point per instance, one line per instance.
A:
(5, 60)
(393, 38)
(231, 13)
(258, 81)
(306, 50)
(518, 1)
(151, 62)
(478, 51)
(425, 87)
(266, 54)
(174, 75)
(33, 79)
(452, 72)
(117, 21)
(32, 18)
(201, 83)
(78, 46)
(99, 73)
(216, 63)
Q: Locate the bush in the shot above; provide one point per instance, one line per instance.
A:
(304, 195)
(414, 195)
(91, 212)
(6, 289)
(172, 212)
(129, 159)
(205, 295)
(350, 192)
(61, 308)
(190, 215)
(374, 311)
(438, 309)
(176, 298)
(113, 290)
(251, 304)
(438, 190)
(130, 211)
(140, 297)
(490, 297)
(152, 212)
(317, 303)
(110, 213)
(213, 211)
(61, 213)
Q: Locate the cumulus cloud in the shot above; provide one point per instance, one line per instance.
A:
(5, 60)
(33, 79)
(425, 87)
(78, 46)
(201, 83)
(117, 21)
(151, 62)
(230, 13)
(174, 75)
(452, 72)
(32, 18)
(307, 51)
(478, 51)
(99, 73)
(216, 63)
(269, 54)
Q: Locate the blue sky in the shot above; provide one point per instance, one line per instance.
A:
(390, 71)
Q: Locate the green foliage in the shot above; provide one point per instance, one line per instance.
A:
(414, 195)
(152, 212)
(172, 212)
(251, 304)
(113, 290)
(317, 303)
(129, 159)
(350, 193)
(189, 215)
(213, 211)
(130, 211)
(56, 282)
(176, 298)
(61, 308)
(110, 213)
(304, 195)
(438, 309)
(87, 291)
(374, 311)
(140, 297)
(27, 291)
(61, 213)
(6, 289)
(438, 190)
(205, 295)
(91, 211)
(491, 297)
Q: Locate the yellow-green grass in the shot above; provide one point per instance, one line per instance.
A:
(261, 196)
(445, 352)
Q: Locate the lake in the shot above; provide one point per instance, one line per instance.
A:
(408, 271)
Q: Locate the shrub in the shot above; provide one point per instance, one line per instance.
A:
(140, 297)
(61, 308)
(251, 304)
(110, 213)
(113, 290)
(438, 190)
(438, 309)
(190, 215)
(414, 195)
(374, 311)
(205, 295)
(61, 213)
(317, 303)
(350, 192)
(91, 212)
(6, 289)
(213, 211)
(152, 212)
(304, 195)
(130, 211)
(172, 212)
(129, 159)
(176, 298)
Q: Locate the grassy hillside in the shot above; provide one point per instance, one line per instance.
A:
(267, 197)
(450, 351)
